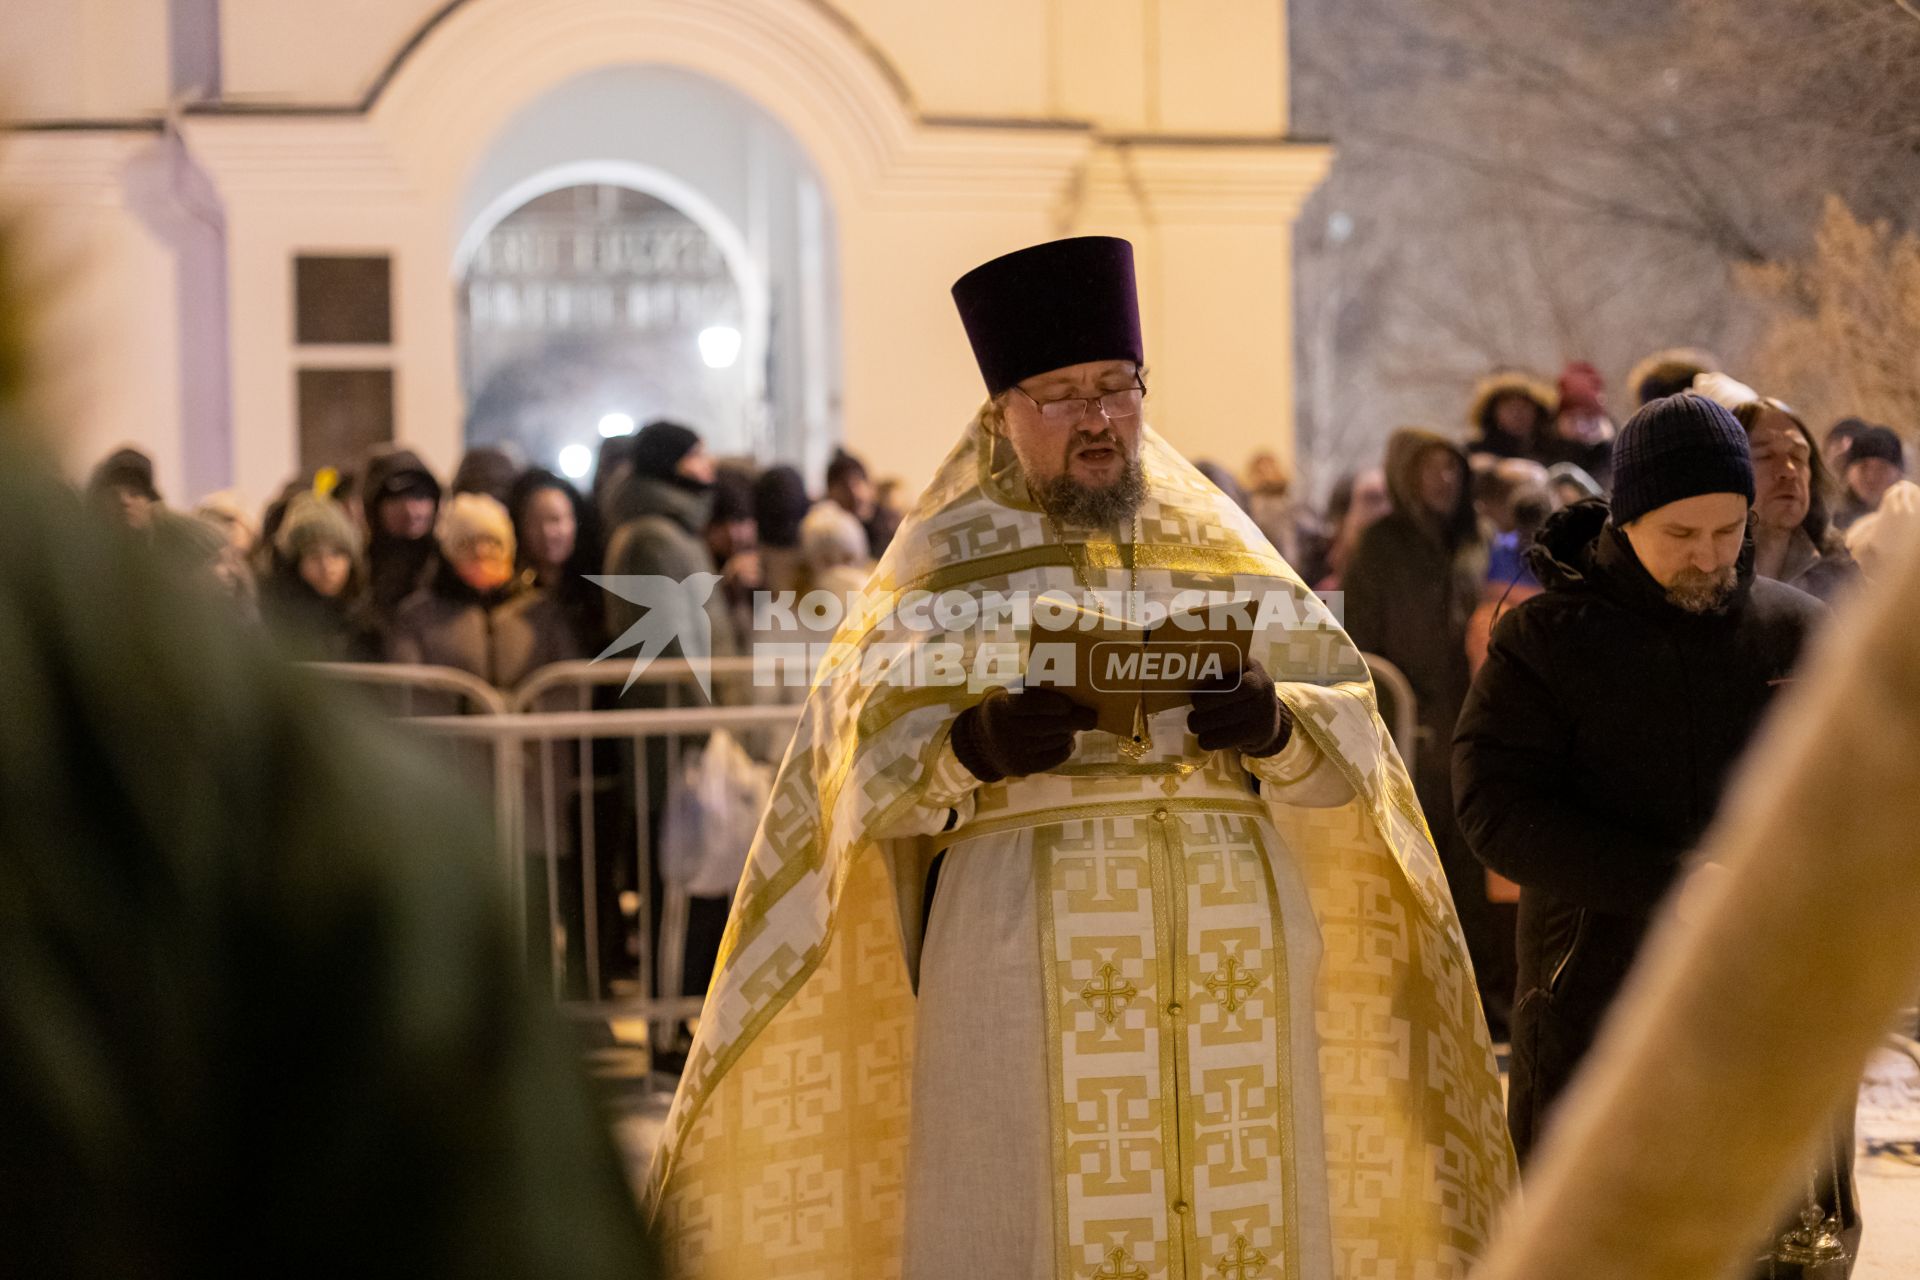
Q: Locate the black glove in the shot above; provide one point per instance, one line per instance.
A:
(1248, 717)
(1009, 735)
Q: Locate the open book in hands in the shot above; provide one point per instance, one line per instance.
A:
(1125, 670)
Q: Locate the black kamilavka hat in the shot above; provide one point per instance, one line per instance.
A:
(1052, 305)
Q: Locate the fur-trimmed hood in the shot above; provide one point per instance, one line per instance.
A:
(1487, 435)
(1671, 364)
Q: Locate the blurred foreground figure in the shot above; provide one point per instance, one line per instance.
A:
(260, 1011)
(1714, 1082)
(1189, 998)
(1874, 540)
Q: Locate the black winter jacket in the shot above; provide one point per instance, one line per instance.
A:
(1590, 757)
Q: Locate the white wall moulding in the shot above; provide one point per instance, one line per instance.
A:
(1255, 181)
(300, 159)
(41, 168)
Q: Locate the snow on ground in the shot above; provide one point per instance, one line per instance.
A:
(1887, 1167)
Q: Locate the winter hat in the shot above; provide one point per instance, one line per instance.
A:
(1669, 372)
(831, 536)
(125, 467)
(843, 467)
(659, 446)
(488, 469)
(779, 505)
(1845, 429)
(225, 509)
(1876, 442)
(1503, 384)
(732, 496)
(313, 521)
(394, 472)
(1049, 306)
(1675, 448)
(1582, 389)
(468, 517)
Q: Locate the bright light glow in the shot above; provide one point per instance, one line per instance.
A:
(720, 346)
(575, 461)
(616, 424)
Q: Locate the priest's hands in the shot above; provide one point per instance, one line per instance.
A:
(1009, 735)
(1249, 717)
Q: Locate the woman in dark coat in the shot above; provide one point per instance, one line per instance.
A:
(1512, 416)
(402, 500)
(558, 544)
(479, 614)
(314, 595)
(557, 533)
(1410, 592)
(780, 503)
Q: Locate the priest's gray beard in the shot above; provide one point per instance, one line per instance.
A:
(1698, 591)
(1095, 506)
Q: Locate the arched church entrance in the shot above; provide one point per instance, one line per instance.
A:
(640, 243)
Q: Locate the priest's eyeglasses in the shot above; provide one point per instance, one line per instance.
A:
(1113, 406)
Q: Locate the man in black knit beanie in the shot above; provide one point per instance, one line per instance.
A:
(1592, 750)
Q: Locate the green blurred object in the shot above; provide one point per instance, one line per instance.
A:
(260, 1009)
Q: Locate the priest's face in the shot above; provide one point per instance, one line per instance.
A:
(1085, 471)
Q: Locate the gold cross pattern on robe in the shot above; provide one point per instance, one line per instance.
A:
(1120, 1266)
(1108, 996)
(1244, 1263)
(1232, 979)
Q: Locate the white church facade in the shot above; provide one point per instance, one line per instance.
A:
(271, 229)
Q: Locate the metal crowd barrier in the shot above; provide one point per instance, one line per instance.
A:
(1398, 706)
(529, 749)
(550, 723)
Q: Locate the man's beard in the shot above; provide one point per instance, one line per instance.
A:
(1095, 506)
(1698, 591)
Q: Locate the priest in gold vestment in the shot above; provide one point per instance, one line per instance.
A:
(1184, 1004)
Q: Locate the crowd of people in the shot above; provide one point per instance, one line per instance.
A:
(489, 572)
(377, 559)
(1430, 549)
